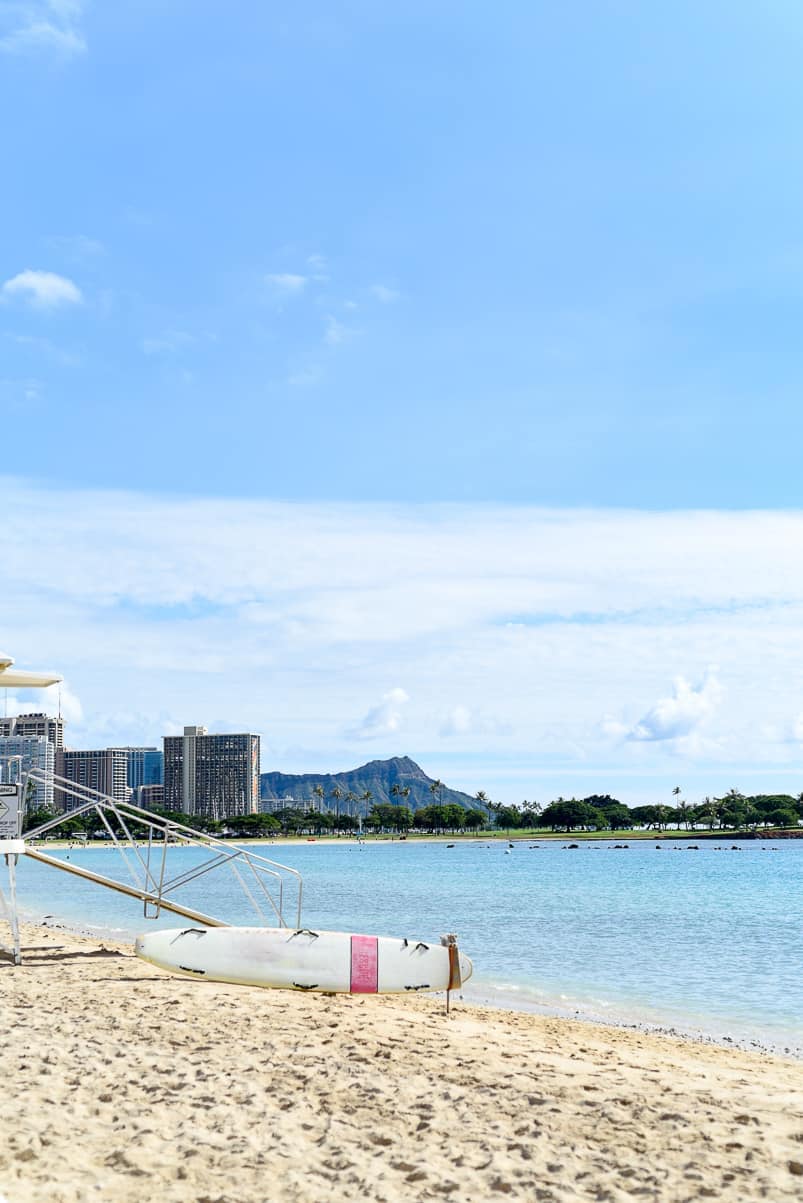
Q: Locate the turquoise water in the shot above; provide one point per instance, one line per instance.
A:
(706, 941)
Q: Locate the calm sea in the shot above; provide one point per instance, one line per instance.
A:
(707, 941)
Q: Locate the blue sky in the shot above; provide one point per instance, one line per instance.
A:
(372, 262)
(546, 253)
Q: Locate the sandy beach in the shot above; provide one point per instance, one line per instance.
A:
(124, 1083)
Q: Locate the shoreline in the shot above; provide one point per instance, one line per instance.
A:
(482, 996)
(183, 1090)
(576, 838)
(506, 984)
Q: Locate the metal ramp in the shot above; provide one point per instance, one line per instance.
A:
(144, 841)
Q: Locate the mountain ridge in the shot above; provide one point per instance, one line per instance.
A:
(378, 776)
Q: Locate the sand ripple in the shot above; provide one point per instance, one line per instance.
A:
(125, 1084)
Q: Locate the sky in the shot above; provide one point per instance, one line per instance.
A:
(412, 379)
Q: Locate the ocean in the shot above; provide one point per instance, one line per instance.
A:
(705, 942)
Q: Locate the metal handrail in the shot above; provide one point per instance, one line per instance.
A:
(152, 891)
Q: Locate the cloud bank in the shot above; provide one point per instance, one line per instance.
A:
(508, 634)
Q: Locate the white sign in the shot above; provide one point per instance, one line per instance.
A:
(9, 812)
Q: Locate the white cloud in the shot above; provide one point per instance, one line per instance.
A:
(43, 290)
(385, 718)
(384, 294)
(286, 284)
(677, 716)
(42, 26)
(463, 720)
(458, 721)
(282, 617)
(63, 696)
(56, 699)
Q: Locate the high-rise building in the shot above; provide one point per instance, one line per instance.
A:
(215, 775)
(49, 726)
(102, 769)
(21, 754)
(145, 766)
(150, 797)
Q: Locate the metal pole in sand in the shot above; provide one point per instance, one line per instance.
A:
(10, 847)
(11, 906)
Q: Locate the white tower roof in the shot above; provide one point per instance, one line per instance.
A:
(15, 679)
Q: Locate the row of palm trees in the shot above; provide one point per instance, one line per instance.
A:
(350, 798)
(338, 794)
(399, 792)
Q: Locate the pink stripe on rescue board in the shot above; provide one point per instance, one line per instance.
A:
(364, 965)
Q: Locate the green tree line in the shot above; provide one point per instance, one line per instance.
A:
(597, 812)
(601, 812)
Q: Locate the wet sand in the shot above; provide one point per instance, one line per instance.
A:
(123, 1083)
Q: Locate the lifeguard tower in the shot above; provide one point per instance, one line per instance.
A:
(11, 810)
(144, 840)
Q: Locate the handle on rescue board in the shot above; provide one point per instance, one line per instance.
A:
(455, 977)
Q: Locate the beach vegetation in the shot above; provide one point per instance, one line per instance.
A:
(782, 818)
(438, 818)
(618, 816)
(567, 814)
(37, 816)
(732, 812)
(384, 816)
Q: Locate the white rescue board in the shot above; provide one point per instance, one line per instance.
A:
(281, 958)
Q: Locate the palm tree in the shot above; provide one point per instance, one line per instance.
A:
(337, 794)
(683, 810)
(318, 792)
(437, 787)
(709, 810)
(400, 791)
(365, 798)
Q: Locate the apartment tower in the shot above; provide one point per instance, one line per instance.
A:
(214, 775)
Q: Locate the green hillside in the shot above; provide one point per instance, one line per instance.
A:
(378, 776)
